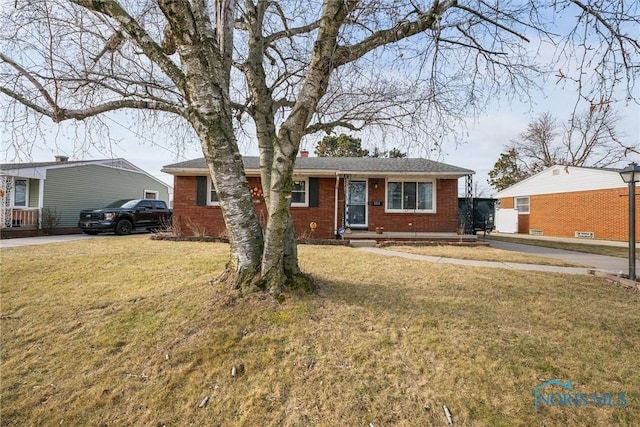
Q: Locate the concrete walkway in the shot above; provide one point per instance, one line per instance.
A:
(473, 263)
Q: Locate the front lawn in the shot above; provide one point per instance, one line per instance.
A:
(128, 331)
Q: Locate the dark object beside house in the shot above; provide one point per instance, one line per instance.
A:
(124, 216)
(483, 213)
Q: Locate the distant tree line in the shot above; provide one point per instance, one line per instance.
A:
(344, 145)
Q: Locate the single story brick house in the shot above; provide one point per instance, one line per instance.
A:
(571, 201)
(44, 195)
(334, 193)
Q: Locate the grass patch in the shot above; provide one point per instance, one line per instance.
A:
(127, 331)
(617, 251)
(482, 253)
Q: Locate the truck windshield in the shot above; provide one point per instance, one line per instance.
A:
(123, 203)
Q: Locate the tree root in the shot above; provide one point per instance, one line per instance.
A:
(275, 282)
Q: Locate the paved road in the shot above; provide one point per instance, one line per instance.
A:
(600, 262)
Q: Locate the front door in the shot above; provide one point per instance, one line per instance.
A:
(357, 204)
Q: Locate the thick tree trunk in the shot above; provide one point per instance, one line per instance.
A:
(228, 175)
(205, 55)
(280, 257)
(245, 234)
(280, 270)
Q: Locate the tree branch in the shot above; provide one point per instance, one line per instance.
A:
(492, 22)
(426, 20)
(152, 49)
(614, 33)
(58, 114)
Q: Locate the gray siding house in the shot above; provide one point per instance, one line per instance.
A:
(42, 195)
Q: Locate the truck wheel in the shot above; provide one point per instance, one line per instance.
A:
(123, 227)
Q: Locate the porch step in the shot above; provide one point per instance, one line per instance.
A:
(362, 243)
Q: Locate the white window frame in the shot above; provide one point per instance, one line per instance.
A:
(145, 192)
(416, 181)
(515, 204)
(210, 187)
(306, 193)
(26, 193)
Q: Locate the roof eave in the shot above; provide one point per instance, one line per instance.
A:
(327, 173)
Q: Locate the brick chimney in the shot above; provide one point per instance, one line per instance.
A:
(62, 159)
(304, 154)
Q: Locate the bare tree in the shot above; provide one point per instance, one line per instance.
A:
(536, 148)
(444, 59)
(587, 139)
(591, 138)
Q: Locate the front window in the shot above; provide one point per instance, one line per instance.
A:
(299, 193)
(20, 193)
(522, 205)
(416, 196)
(213, 196)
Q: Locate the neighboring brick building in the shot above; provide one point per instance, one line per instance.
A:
(416, 195)
(570, 201)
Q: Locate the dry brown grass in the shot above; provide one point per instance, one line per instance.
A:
(482, 253)
(126, 331)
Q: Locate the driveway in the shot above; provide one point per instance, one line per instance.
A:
(601, 262)
(42, 240)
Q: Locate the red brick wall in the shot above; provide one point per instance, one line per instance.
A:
(191, 219)
(506, 203)
(604, 212)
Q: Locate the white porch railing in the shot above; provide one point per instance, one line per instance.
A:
(21, 217)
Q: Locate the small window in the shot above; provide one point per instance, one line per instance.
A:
(417, 196)
(522, 205)
(213, 196)
(151, 194)
(299, 193)
(20, 193)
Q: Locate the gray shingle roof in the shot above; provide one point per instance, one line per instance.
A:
(382, 166)
(9, 166)
(116, 162)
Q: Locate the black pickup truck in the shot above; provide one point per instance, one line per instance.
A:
(125, 215)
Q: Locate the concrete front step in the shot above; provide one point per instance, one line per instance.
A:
(363, 243)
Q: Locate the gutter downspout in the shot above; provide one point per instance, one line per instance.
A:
(335, 207)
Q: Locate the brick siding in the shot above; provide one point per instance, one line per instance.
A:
(190, 219)
(603, 212)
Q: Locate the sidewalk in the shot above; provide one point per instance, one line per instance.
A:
(473, 263)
